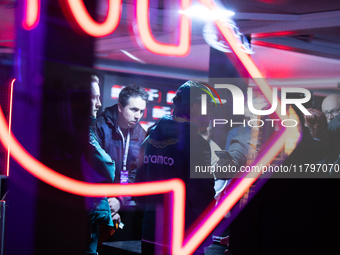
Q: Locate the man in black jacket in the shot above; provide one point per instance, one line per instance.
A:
(120, 135)
(175, 149)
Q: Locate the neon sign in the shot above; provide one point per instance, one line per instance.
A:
(235, 190)
(159, 111)
(32, 14)
(78, 16)
(183, 46)
(76, 11)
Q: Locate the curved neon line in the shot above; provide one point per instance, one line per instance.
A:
(32, 14)
(81, 16)
(148, 40)
(9, 124)
(209, 95)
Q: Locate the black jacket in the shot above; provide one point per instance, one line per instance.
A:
(172, 150)
(111, 141)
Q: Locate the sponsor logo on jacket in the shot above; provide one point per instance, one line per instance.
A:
(163, 143)
(159, 159)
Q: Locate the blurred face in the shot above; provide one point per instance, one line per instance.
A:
(331, 106)
(202, 121)
(95, 99)
(131, 114)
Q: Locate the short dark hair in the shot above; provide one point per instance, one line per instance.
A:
(187, 95)
(181, 110)
(132, 91)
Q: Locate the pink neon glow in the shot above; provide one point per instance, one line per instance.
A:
(9, 124)
(148, 40)
(81, 16)
(178, 246)
(32, 14)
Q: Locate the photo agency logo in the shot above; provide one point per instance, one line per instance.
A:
(257, 105)
(204, 98)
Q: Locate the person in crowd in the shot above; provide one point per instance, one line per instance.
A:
(220, 184)
(242, 144)
(317, 124)
(243, 141)
(331, 106)
(102, 169)
(120, 135)
(176, 139)
(333, 156)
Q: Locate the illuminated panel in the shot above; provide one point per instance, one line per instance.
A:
(10, 124)
(115, 90)
(169, 96)
(144, 29)
(79, 14)
(159, 111)
(274, 34)
(153, 94)
(273, 45)
(146, 124)
(32, 14)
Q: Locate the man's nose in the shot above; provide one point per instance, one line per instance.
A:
(138, 115)
(99, 104)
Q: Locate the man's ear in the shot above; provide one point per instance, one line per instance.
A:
(120, 107)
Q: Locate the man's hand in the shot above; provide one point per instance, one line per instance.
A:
(225, 241)
(226, 164)
(114, 205)
(115, 219)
